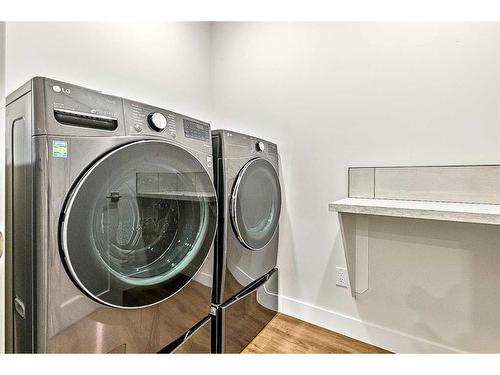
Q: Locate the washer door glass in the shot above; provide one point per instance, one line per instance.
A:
(139, 224)
(256, 204)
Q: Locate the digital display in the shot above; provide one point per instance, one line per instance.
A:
(196, 130)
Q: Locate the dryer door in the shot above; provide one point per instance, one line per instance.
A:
(256, 203)
(139, 224)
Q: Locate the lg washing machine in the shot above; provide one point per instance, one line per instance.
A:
(110, 219)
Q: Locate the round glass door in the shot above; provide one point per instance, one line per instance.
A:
(256, 204)
(139, 224)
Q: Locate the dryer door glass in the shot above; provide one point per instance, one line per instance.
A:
(256, 203)
(139, 224)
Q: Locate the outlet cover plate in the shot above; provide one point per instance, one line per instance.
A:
(341, 278)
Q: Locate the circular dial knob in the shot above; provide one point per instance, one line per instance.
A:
(157, 121)
(260, 146)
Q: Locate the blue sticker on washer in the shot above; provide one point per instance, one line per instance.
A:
(59, 149)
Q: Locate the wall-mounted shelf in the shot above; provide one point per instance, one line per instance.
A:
(446, 211)
(426, 192)
(354, 225)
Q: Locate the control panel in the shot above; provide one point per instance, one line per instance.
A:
(61, 108)
(250, 144)
(141, 118)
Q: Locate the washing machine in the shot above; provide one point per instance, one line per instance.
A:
(245, 292)
(110, 219)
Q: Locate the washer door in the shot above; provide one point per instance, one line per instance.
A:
(256, 204)
(139, 224)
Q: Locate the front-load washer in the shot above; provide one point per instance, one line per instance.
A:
(110, 219)
(246, 245)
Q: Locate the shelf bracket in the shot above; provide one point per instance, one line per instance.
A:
(354, 230)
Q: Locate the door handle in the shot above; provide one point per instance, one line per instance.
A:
(114, 196)
(1, 244)
(249, 289)
(19, 307)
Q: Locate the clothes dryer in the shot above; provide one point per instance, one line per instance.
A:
(245, 292)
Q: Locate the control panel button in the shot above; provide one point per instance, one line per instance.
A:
(157, 121)
(260, 146)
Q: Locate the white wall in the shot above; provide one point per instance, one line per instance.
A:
(347, 94)
(2, 177)
(164, 64)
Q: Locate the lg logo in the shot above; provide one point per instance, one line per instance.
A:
(61, 89)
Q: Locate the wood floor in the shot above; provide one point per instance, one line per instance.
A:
(285, 334)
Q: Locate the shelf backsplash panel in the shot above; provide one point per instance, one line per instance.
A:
(460, 184)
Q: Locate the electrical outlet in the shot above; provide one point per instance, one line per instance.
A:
(341, 279)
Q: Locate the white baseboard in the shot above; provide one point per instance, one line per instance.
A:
(383, 337)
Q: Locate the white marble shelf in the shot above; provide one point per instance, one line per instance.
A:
(458, 212)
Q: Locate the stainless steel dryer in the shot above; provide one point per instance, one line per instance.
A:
(246, 246)
(111, 214)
